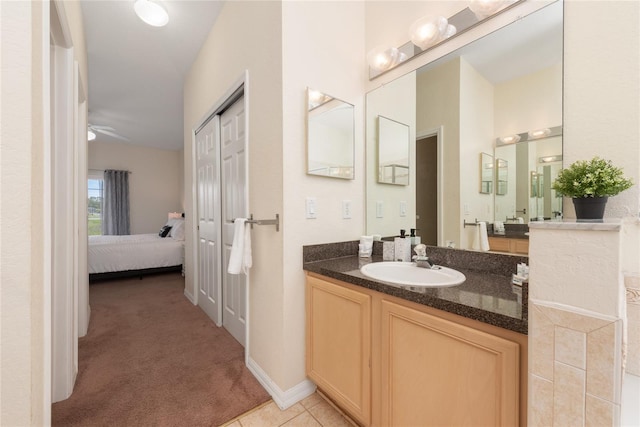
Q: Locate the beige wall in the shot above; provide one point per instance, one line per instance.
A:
(247, 36)
(25, 367)
(322, 45)
(154, 184)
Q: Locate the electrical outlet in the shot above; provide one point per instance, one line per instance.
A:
(346, 209)
(311, 206)
(379, 209)
(403, 208)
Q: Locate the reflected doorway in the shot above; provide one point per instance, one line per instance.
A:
(427, 189)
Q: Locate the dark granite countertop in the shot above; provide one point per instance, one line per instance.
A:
(486, 296)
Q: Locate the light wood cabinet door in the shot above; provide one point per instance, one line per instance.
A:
(439, 373)
(339, 345)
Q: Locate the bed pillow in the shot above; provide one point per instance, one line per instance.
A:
(177, 232)
(164, 231)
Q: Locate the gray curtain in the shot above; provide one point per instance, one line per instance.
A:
(115, 212)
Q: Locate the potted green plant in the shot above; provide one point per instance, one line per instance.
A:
(589, 184)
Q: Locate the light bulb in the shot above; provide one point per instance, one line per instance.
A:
(151, 13)
(428, 31)
(91, 135)
(383, 58)
(485, 8)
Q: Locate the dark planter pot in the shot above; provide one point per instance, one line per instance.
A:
(590, 209)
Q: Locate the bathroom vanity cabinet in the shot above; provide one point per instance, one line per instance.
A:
(389, 361)
(510, 245)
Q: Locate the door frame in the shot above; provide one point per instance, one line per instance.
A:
(438, 132)
(226, 100)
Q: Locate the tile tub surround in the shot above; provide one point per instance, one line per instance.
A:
(576, 324)
(487, 295)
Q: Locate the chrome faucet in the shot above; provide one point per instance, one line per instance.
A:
(421, 258)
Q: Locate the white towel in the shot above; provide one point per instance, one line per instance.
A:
(498, 226)
(480, 237)
(520, 220)
(483, 237)
(240, 258)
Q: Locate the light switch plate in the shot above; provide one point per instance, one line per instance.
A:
(346, 209)
(379, 209)
(311, 206)
(403, 208)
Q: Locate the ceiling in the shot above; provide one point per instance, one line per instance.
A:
(136, 72)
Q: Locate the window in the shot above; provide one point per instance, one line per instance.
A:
(95, 185)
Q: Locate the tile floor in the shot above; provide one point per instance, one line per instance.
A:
(314, 411)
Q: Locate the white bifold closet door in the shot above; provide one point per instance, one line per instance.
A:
(234, 205)
(222, 196)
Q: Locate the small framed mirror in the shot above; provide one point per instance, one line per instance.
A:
(502, 176)
(393, 152)
(486, 173)
(330, 136)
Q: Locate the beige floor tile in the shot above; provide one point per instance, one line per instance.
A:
(303, 420)
(328, 416)
(311, 401)
(271, 415)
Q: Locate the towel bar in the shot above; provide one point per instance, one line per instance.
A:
(252, 221)
(465, 223)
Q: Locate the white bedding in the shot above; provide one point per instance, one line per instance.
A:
(133, 252)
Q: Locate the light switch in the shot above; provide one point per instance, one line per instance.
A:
(403, 208)
(311, 207)
(379, 209)
(346, 209)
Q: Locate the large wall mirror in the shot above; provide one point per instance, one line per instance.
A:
(330, 136)
(505, 83)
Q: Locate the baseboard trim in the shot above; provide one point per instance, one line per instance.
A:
(189, 297)
(284, 399)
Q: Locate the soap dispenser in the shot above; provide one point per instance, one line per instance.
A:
(402, 247)
(415, 240)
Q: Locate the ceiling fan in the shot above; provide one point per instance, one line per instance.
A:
(106, 130)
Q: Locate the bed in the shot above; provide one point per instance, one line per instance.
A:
(133, 255)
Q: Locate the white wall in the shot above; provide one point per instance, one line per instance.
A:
(322, 45)
(154, 182)
(476, 136)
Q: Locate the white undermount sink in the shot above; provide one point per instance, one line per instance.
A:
(407, 273)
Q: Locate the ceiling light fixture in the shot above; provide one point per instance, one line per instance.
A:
(151, 13)
(91, 135)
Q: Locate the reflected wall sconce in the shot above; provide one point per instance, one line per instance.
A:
(539, 133)
(550, 159)
(430, 31)
(91, 135)
(509, 139)
(316, 99)
(529, 136)
(151, 13)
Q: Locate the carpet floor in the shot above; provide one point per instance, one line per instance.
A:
(151, 358)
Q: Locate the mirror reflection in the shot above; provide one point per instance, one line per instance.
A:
(486, 173)
(505, 83)
(330, 136)
(393, 152)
